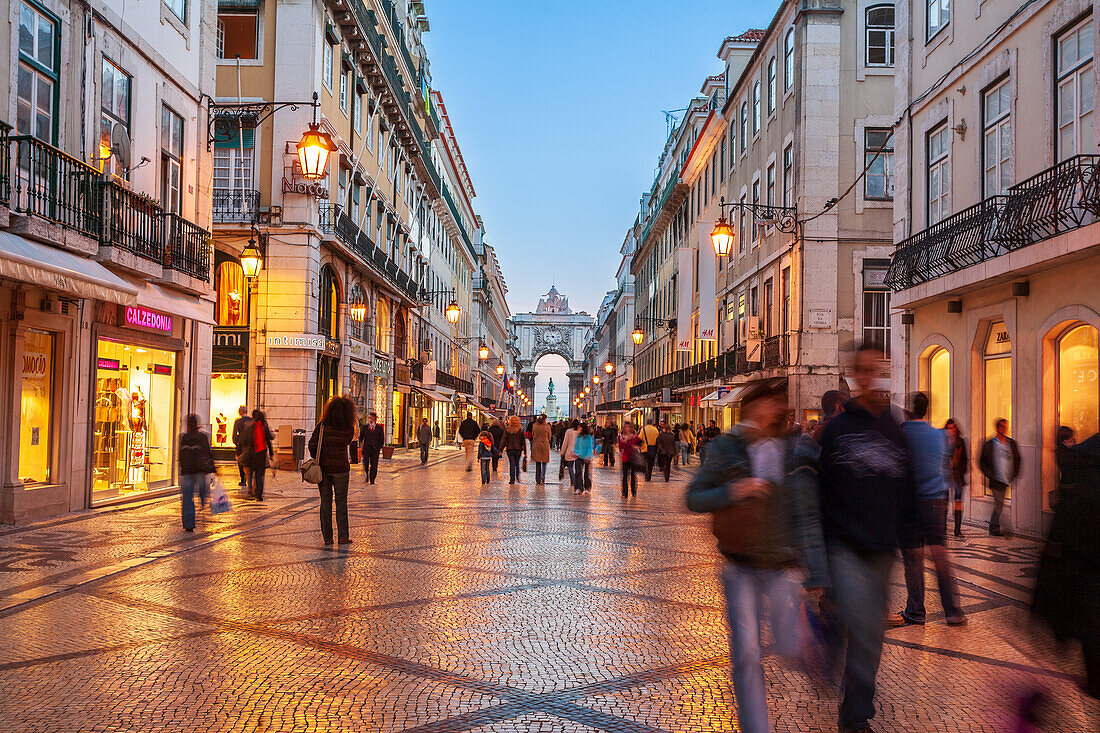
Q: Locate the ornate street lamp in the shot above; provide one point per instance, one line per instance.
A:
(251, 259)
(638, 335)
(587, 389)
(722, 236)
(483, 352)
(453, 312)
(511, 383)
(500, 369)
(783, 218)
(595, 379)
(609, 367)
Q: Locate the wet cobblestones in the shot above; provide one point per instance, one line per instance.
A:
(457, 608)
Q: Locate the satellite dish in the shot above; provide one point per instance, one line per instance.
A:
(120, 146)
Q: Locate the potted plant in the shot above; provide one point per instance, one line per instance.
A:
(387, 452)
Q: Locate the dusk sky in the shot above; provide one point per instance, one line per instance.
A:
(558, 110)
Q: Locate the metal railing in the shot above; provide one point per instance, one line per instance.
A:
(132, 222)
(186, 247)
(775, 351)
(43, 181)
(5, 164)
(446, 379)
(731, 363)
(333, 220)
(235, 205)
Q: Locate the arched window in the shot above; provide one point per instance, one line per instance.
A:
(357, 313)
(771, 85)
(1078, 396)
(328, 306)
(756, 107)
(400, 335)
(788, 60)
(879, 35)
(231, 308)
(381, 325)
(939, 386)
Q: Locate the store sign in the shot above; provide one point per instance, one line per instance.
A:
(230, 338)
(381, 366)
(821, 318)
(306, 189)
(308, 341)
(874, 279)
(107, 364)
(998, 341)
(35, 365)
(135, 316)
(357, 350)
(332, 348)
(162, 369)
(754, 351)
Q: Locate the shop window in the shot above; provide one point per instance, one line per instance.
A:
(997, 365)
(36, 407)
(238, 35)
(134, 419)
(231, 308)
(381, 331)
(1078, 397)
(357, 313)
(939, 387)
(328, 307)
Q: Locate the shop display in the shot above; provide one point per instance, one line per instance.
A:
(36, 407)
(227, 394)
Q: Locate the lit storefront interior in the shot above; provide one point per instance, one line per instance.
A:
(229, 366)
(1078, 398)
(36, 407)
(939, 386)
(998, 385)
(134, 419)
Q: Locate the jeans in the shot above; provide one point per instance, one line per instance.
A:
(998, 490)
(484, 470)
(609, 457)
(932, 515)
(258, 468)
(665, 462)
(370, 463)
(496, 458)
(563, 466)
(468, 445)
(514, 457)
(580, 469)
(650, 459)
(745, 589)
(244, 478)
(540, 472)
(860, 583)
(423, 453)
(629, 470)
(685, 454)
(190, 483)
(334, 484)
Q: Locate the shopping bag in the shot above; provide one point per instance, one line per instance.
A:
(525, 464)
(219, 499)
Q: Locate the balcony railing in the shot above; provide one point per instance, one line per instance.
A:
(5, 164)
(775, 351)
(186, 247)
(235, 205)
(333, 220)
(41, 180)
(732, 363)
(1060, 199)
(445, 379)
(132, 222)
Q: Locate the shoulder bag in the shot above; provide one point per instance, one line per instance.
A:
(311, 467)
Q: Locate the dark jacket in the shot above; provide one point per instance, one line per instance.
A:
(335, 452)
(372, 438)
(195, 453)
(780, 531)
(610, 438)
(959, 463)
(497, 433)
(424, 435)
(468, 429)
(484, 452)
(248, 447)
(868, 498)
(515, 440)
(240, 428)
(985, 463)
(666, 443)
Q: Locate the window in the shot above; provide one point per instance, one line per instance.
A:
(1075, 97)
(785, 308)
(939, 175)
(878, 157)
(742, 230)
(179, 7)
(998, 382)
(171, 155)
(876, 319)
(879, 34)
(233, 165)
(744, 126)
(357, 310)
(996, 140)
(231, 290)
(238, 35)
(344, 84)
(788, 60)
(1078, 397)
(357, 111)
(722, 159)
(788, 175)
(36, 406)
(326, 63)
(770, 190)
(769, 307)
(939, 387)
(38, 71)
(755, 107)
(771, 85)
(755, 202)
(328, 306)
(114, 95)
(939, 15)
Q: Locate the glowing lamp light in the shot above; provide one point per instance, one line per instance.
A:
(453, 312)
(358, 312)
(483, 353)
(500, 370)
(638, 336)
(511, 383)
(722, 237)
(251, 260)
(313, 152)
(595, 379)
(587, 389)
(609, 367)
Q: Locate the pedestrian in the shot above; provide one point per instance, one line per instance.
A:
(261, 449)
(240, 427)
(631, 458)
(329, 446)
(831, 404)
(958, 469)
(567, 456)
(515, 445)
(1067, 589)
(468, 431)
(666, 449)
(1000, 464)
(928, 455)
(583, 448)
(609, 438)
(760, 486)
(649, 435)
(710, 432)
(1064, 459)
(424, 437)
(196, 467)
(867, 496)
(371, 439)
(496, 431)
(540, 448)
(436, 433)
(686, 444)
(485, 451)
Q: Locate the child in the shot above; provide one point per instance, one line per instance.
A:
(485, 454)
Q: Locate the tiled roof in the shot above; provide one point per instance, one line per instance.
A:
(752, 35)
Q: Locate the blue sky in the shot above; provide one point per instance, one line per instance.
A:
(557, 107)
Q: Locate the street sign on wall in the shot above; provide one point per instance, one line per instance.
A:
(754, 351)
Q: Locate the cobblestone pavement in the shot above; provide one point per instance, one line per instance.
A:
(457, 608)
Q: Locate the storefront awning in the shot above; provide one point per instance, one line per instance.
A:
(64, 272)
(432, 394)
(712, 396)
(730, 397)
(153, 296)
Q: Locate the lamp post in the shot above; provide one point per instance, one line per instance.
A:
(225, 122)
(783, 218)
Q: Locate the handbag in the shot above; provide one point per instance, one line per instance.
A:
(310, 467)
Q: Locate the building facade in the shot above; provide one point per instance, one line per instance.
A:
(105, 259)
(994, 312)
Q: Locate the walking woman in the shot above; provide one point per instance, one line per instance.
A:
(540, 448)
(329, 447)
(261, 449)
(631, 458)
(583, 448)
(959, 465)
(196, 465)
(515, 445)
(685, 442)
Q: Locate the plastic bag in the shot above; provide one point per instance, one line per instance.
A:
(219, 499)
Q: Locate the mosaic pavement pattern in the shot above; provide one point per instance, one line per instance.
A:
(458, 608)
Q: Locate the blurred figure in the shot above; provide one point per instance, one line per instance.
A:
(666, 450)
(687, 444)
(468, 431)
(329, 445)
(196, 465)
(610, 438)
(761, 488)
(630, 458)
(708, 434)
(515, 445)
(260, 446)
(485, 452)
(496, 432)
(240, 428)
(958, 469)
(583, 447)
(1064, 459)
(928, 456)
(424, 438)
(1000, 464)
(1067, 589)
(540, 448)
(867, 496)
(649, 442)
(435, 433)
(567, 456)
(831, 403)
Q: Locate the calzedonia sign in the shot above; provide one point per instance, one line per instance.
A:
(134, 316)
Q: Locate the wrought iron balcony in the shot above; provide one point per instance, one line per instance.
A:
(775, 351)
(40, 180)
(235, 205)
(333, 220)
(445, 379)
(132, 222)
(5, 164)
(186, 247)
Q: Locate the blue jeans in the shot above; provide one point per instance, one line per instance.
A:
(745, 589)
(540, 472)
(580, 468)
(685, 453)
(189, 484)
(860, 586)
(514, 457)
(485, 470)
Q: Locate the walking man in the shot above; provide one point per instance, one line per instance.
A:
(435, 433)
(496, 432)
(610, 440)
(928, 452)
(468, 431)
(240, 441)
(424, 437)
(567, 456)
(371, 440)
(1000, 464)
(649, 440)
(666, 449)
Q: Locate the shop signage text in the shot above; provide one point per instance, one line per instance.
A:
(107, 364)
(230, 338)
(297, 341)
(381, 366)
(306, 189)
(332, 348)
(162, 369)
(34, 364)
(139, 317)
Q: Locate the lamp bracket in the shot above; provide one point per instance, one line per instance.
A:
(783, 218)
(224, 120)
